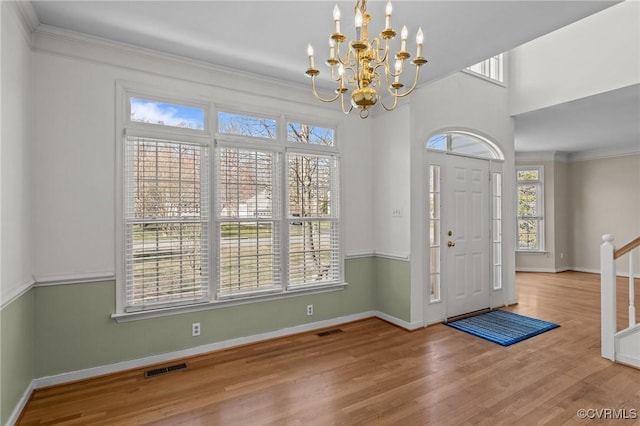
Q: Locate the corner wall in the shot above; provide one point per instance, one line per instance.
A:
(605, 199)
(16, 298)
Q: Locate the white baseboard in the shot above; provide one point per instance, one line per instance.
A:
(88, 373)
(572, 268)
(15, 415)
(628, 360)
(400, 323)
(198, 350)
(545, 270)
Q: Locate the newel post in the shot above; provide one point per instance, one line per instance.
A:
(607, 297)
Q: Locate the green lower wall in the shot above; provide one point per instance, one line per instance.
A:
(59, 329)
(393, 287)
(16, 352)
(74, 330)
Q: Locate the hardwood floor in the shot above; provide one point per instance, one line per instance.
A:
(376, 373)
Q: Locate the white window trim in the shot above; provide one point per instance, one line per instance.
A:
(540, 201)
(280, 145)
(501, 83)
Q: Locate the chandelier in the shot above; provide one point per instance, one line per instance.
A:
(365, 66)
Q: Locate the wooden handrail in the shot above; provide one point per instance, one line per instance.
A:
(626, 248)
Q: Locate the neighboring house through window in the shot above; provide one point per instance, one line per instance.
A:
(260, 218)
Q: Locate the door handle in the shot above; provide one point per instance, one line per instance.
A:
(451, 244)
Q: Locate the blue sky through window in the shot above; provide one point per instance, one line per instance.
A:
(316, 135)
(167, 114)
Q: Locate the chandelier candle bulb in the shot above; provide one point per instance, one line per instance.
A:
(336, 18)
(358, 22)
(310, 53)
(403, 36)
(419, 41)
(387, 21)
(398, 70)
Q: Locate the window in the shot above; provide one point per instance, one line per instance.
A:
(530, 208)
(496, 228)
(166, 114)
(248, 244)
(491, 68)
(434, 232)
(463, 143)
(165, 206)
(272, 225)
(312, 206)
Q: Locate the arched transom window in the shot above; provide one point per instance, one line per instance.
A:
(464, 143)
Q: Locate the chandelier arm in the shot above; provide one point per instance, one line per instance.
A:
(352, 79)
(395, 103)
(344, 110)
(375, 48)
(387, 72)
(408, 92)
(318, 97)
(338, 57)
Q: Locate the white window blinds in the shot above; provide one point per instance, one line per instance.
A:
(166, 223)
(249, 230)
(314, 231)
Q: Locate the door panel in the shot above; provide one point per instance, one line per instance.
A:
(465, 212)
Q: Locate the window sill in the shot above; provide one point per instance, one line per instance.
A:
(485, 78)
(531, 252)
(176, 310)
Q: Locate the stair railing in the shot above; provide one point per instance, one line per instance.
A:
(608, 256)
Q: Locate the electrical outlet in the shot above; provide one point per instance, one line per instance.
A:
(309, 310)
(195, 329)
(397, 212)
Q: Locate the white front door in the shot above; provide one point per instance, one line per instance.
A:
(465, 235)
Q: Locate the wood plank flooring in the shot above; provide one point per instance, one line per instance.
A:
(374, 373)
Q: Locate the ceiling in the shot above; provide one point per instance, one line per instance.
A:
(269, 38)
(608, 121)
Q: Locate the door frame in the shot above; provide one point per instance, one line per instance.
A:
(450, 276)
(435, 311)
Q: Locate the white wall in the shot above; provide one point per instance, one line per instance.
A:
(15, 149)
(605, 199)
(594, 55)
(74, 156)
(391, 177)
(460, 101)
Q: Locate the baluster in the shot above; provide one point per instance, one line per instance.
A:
(632, 296)
(607, 297)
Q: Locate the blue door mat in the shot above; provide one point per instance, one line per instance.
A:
(502, 327)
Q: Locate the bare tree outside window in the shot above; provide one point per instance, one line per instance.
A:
(312, 232)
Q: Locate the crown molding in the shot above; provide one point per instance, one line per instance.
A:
(27, 17)
(599, 154)
(569, 157)
(542, 156)
(71, 44)
(28, 14)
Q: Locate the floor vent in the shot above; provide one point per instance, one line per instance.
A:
(328, 332)
(164, 370)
